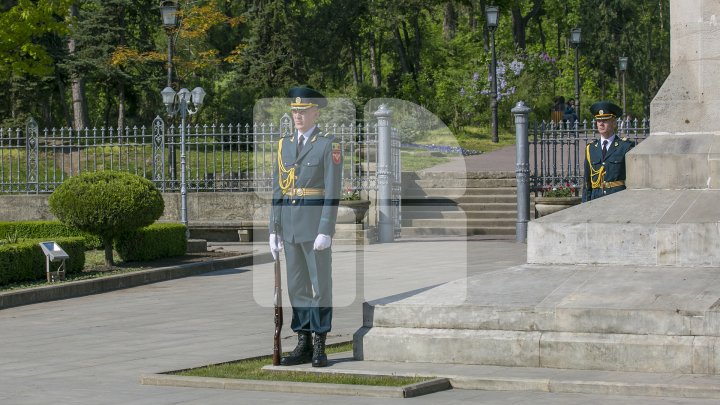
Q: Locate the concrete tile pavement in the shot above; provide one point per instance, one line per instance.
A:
(92, 349)
(501, 160)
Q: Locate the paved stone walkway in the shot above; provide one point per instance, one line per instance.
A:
(92, 350)
(501, 160)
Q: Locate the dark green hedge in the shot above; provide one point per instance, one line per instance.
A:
(25, 260)
(107, 203)
(45, 230)
(152, 242)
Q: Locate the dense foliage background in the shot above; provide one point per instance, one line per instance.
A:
(103, 62)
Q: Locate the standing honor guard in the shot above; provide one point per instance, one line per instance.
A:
(605, 157)
(306, 193)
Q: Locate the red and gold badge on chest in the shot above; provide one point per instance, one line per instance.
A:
(336, 154)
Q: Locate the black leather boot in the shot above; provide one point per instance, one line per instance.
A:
(302, 353)
(319, 359)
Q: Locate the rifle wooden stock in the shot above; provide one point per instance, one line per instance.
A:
(277, 344)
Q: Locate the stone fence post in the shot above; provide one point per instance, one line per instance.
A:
(522, 170)
(386, 224)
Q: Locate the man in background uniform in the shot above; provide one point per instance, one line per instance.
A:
(605, 157)
(306, 193)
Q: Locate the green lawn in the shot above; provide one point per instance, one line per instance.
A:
(251, 369)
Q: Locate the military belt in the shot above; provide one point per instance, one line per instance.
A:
(611, 184)
(302, 192)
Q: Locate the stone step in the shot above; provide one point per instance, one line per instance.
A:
(197, 246)
(457, 199)
(461, 183)
(611, 352)
(659, 319)
(457, 214)
(354, 234)
(453, 206)
(419, 232)
(428, 175)
(467, 207)
(537, 379)
(460, 223)
(457, 191)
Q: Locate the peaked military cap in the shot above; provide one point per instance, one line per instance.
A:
(302, 98)
(605, 110)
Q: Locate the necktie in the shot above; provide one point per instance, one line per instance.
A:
(300, 143)
(604, 151)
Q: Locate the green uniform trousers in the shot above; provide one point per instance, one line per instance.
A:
(309, 280)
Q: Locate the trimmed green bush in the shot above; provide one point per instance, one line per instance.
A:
(152, 242)
(45, 230)
(107, 204)
(25, 260)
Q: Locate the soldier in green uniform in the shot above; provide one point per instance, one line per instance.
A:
(605, 157)
(306, 193)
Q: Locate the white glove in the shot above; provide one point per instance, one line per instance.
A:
(276, 245)
(322, 242)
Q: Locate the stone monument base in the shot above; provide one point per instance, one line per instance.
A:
(632, 228)
(658, 320)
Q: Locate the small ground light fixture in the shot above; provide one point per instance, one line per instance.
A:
(54, 253)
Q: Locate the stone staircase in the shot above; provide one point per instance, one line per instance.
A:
(354, 234)
(458, 204)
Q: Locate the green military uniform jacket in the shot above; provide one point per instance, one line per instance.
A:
(605, 176)
(306, 188)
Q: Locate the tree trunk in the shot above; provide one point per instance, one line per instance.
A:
(520, 22)
(77, 84)
(121, 107)
(449, 21)
(472, 21)
(357, 46)
(108, 106)
(61, 94)
(401, 51)
(354, 63)
(418, 42)
(542, 35)
(108, 243)
(374, 71)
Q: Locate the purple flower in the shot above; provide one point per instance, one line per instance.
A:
(476, 76)
(502, 82)
(501, 68)
(517, 67)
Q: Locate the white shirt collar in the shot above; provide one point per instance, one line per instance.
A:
(610, 140)
(307, 134)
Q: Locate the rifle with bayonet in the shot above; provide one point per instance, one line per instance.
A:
(277, 344)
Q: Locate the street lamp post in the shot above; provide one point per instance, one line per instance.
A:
(623, 62)
(168, 12)
(491, 15)
(575, 38)
(180, 103)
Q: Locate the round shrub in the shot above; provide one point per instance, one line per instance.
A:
(107, 204)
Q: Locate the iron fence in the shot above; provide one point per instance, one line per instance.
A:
(219, 157)
(558, 150)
